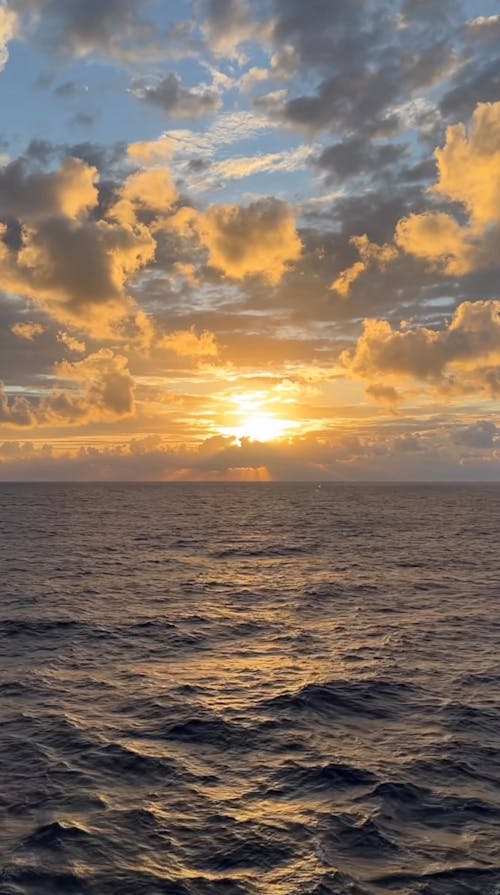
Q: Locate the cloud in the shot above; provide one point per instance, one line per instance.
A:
(484, 27)
(229, 24)
(259, 239)
(411, 453)
(65, 257)
(151, 152)
(28, 331)
(102, 389)
(482, 434)
(77, 271)
(464, 357)
(188, 343)
(71, 342)
(108, 388)
(252, 78)
(218, 172)
(16, 412)
(468, 167)
(176, 100)
(152, 190)
(385, 394)
(9, 28)
(69, 89)
(356, 155)
(71, 191)
(227, 129)
(469, 174)
(371, 255)
(115, 29)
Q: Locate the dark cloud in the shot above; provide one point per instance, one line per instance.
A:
(476, 83)
(16, 411)
(83, 119)
(345, 101)
(68, 90)
(116, 28)
(358, 156)
(29, 195)
(364, 60)
(321, 31)
(176, 100)
(105, 157)
(482, 434)
(41, 151)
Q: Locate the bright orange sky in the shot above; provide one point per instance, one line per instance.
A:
(250, 241)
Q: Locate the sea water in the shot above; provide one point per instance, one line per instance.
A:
(279, 689)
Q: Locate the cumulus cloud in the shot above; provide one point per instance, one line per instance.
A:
(259, 239)
(469, 174)
(371, 255)
(101, 389)
(108, 388)
(77, 272)
(176, 100)
(15, 412)
(68, 259)
(70, 191)
(151, 190)
(468, 168)
(150, 152)
(462, 357)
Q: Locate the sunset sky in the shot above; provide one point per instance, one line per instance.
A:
(250, 240)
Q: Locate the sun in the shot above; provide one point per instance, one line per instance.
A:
(262, 426)
(251, 419)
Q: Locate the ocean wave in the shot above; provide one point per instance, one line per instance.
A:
(375, 698)
(270, 551)
(240, 691)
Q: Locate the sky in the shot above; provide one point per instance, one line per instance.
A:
(250, 240)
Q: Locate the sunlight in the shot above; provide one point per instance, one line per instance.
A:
(262, 426)
(253, 421)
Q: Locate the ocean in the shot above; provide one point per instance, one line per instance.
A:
(241, 689)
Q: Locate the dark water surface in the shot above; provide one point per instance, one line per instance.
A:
(272, 689)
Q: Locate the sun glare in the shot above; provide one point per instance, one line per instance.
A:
(262, 427)
(251, 419)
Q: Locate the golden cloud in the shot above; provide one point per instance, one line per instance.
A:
(259, 239)
(460, 358)
(371, 254)
(102, 389)
(469, 174)
(28, 331)
(187, 343)
(150, 190)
